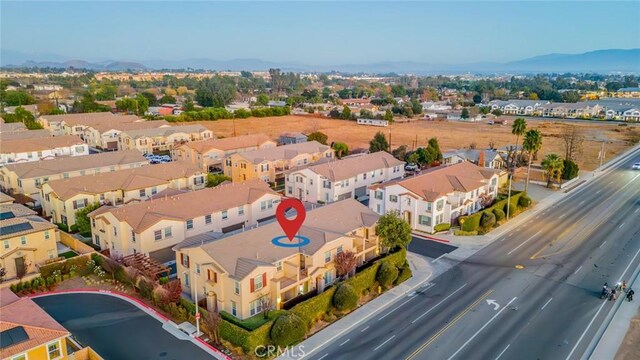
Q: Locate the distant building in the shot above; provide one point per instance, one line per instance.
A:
(485, 158)
(373, 122)
(153, 140)
(273, 103)
(292, 138)
(518, 106)
(629, 92)
(41, 148)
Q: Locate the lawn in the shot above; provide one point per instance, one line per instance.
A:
(253, 322)
(68, 254)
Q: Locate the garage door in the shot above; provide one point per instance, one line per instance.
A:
(232, 227)
(344, 196)
(361, 191)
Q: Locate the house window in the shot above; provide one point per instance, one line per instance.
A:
(101, 197)
(279, 266)
(236, 287)
(240, 210)
(339, 250)
(263, 205)
(424, 220)
(234, 310)
(212, 275)
(327, 257)
(378, 195)
(207, 219)
(23, 240)
(115, 231)
(65, 175)
(20, 357)
(364, 176)
(53, 350)
(157, 235)
(189, 224)
(326, 184)
(167, 232)
(327, 278)
(393, 198)
(6, 244)
(440, 205)
(429, 206)
(185, 260)
(256, 307)
(257, 283)
(133, 236)
(46, 235)
(154, 190)
(225, 215)
(289, 190)
(143, 193)
(198, 269)
(494, 181)
(51, 254)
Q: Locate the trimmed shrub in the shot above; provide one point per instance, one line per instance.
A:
(570, 170)
(470, 222)
(312, 309)
(487, 220)
(364, 279)
(499, 214)
(387, 274)
(524, 201)
(288, 329)
(465, 233)
(62, 227)
(345, 297)
(146, 287)
(405, 274)
(48, 270)
(442, 227)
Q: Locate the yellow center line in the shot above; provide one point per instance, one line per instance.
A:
(453, 322)
(550, 243)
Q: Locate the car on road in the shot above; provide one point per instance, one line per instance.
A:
(411, 167)
(636, 166)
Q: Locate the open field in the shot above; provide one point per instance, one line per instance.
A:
(451, 135)
(629, 349)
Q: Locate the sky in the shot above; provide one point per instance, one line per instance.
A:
(317, 33)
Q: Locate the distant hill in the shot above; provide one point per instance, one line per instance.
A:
(593, 61)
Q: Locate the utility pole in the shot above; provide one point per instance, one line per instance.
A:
(389, 140)
(234, 127)
(601, 156)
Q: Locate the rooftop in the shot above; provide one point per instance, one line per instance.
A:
(114, 124)
(14, 210)
(9, 134)
(18, 226)
(39, 144)
(226, 144)
(90, 118)
(347, 168)
(164, 131)
(284, 152)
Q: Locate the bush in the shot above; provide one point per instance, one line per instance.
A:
(465, 233)
(405, 274)
(50, 269)
(146, 287)
(364, 279)
(74, 228)
(312, 309)
(163, 280)
(288, 329)
(62, 227)
(570, 170)
(524, 201)
(345, 297)
(499, 214)
(487, 220)
(442, 227)
(470, 222)
(387, 274)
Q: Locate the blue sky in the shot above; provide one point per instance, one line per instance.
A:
(319, 33)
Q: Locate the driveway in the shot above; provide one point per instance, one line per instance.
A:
(117, 329)
(429, 248)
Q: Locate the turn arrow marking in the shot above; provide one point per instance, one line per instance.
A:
(496, 306)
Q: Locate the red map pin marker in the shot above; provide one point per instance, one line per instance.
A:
(292, 226)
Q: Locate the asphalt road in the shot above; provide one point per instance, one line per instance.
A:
(432, 249)
(116, 329)
(531, 294)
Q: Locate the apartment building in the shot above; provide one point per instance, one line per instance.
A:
(235, 272)
(342, 179)
(270, 164)
(42, 148)
(153, 227)
(208, 155)
(75, 124)
(27, 178)
(105, 135)
(518, 106)
(13, 133)
(62, 198)
(149, 141)
(27, 242)
(437, 196)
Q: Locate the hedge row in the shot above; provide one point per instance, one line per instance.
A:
(470, 224)
(442, 227)
(247, 340)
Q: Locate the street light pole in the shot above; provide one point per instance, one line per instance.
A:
(195, 298)
(509, 195)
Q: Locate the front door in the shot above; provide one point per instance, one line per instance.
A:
(407, 217)
(20, 267)
(300, 194)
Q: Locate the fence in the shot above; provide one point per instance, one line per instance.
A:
(75, 244)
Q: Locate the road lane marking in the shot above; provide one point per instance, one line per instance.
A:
(323, 356)
(482, 328)
(598, 192)
(578, 269)
(397, 307)
(439, 257)
(386, 341)
(364, 329)
(438, 304)
(636, 210)
(524, 242)
(581, 202)
(503, 351)
(545, 304)
(346, 341)
(453, 322)
(561, 216)
(621, 225)
(604, 242)
(587, 329)
(627, 268)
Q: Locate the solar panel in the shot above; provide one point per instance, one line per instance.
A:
(7, 215)
(10, 229)
(13, 336)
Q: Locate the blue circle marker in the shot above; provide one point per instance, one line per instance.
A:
(302, 241)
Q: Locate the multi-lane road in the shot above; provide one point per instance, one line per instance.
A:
(531, 294)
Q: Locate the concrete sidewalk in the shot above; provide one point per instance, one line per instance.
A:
(422, 272)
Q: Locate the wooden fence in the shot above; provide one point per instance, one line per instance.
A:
(75, 244)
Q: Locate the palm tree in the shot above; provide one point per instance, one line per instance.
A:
(553, 164)
(531, 143)
(518, 129)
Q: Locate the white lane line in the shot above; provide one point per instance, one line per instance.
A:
(636, 210)
(364, 329)
(604, 242)
(561, 216)
(439, 257)
(587, 329)
(436, 305)
(627, 268)
(346, 341)
(524, 242)
(545, 304)
(578, 269)
(503, 351)
(386, 341)
(482, 328)
(621, 225)
(396, 308)
(598, 192)
(323, 356)
(581, 202)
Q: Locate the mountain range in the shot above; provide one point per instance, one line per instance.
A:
(599, 61)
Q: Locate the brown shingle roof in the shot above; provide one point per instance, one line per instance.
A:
(136, 125)
(5, 198)
(128, 179)
(141, 216)
(90, 118)
(239, 254)
(39, 144)
(165, 131)
(226, 144)
(74, 163)
(347, 168)
(16, 210)
(24, 134)
(37, 224)
(284, 152)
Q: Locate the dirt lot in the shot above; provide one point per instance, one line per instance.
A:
(450, 134)
(630, 347)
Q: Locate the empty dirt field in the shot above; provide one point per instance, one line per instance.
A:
(451, 135)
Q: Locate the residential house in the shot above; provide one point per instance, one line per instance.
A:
(27, 242)
(10, 210)
(27, 178)
(13, 133)
(270, 164)
(485, 158)
(355, 102)
(629, 92)
(274, 103)
(62, 198)
(437, 196)
(373, 122)
(44, 148)
(208, 155)
(631, 115)
(153, 227)
(292, 138)
(149, 141)
(234, 273)
(342, 179)
(75, 124)
(518, 106)
(105, 135)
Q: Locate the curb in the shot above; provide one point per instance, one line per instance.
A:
(425, 237)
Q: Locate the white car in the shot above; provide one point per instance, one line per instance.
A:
(636, 166)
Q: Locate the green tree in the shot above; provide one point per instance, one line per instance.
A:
(416, 107)
(393, 231)
(497, 112)
(400, 152)
(345, 298)
(319, 137)
(531, 144)
(518, 129)
(464, 114)
(569, 170)
(82, 219)
(151, 99)
(17, 98)
(378, 143)
(188, 105)
(217, 91)
(553, 165)
(142, 104)
(388, 115)
(168, 99)
(346, 113)
(262, 99)
(216, 179)
(387, 274)
(341, 149)
(477, 98)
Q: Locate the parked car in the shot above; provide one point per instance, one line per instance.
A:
(166, 158)
(636, 166)
(411, 167)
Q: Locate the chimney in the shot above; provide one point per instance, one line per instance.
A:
(481, 158)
